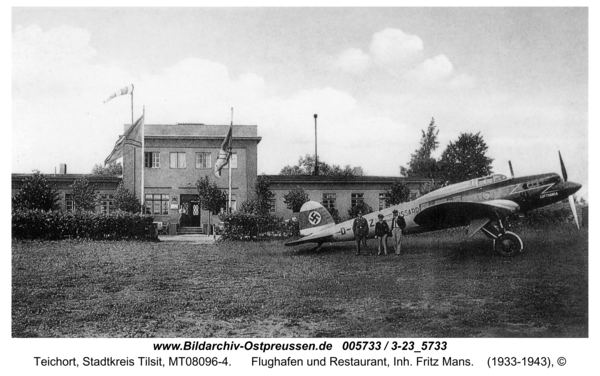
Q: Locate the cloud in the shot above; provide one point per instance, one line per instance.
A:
(392, 48)
(59, 92)
(401, 55)
(353, 60)
(432, 70)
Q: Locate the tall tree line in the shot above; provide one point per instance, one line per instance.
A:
(462, 159)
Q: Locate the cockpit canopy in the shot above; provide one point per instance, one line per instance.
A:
(488, 180)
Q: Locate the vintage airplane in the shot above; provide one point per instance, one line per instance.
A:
(482, 204)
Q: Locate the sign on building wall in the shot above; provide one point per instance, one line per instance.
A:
(174, 204)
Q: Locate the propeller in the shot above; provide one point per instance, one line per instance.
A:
(512, 174)
(571, 200)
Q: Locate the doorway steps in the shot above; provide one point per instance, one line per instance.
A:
(190, 231)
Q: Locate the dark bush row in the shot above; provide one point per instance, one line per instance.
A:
(543, 218)
(55, 225)
(240, 226)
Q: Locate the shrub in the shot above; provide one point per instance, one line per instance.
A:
(543, 218)
(290, 228)
(247, 226)
(295, 198)
(360, 206)
(126, 201)
(398, 193)
(335, 215)
(56, 225)
(212, 198)
(85, 195)
(36, 193)
(263, 196)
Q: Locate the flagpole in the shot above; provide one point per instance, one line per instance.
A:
(230, 155)
(143, 157)
(131, 104)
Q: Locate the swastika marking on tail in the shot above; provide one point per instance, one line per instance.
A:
(314, 218)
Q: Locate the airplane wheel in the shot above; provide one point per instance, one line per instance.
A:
(508, 244)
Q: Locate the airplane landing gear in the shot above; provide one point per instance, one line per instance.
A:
(506, 243)
(317, 248)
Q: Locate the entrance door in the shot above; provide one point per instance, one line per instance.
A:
(191, 211)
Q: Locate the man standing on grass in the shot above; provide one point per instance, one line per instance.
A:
(398, 224)
(360, 228)
(381, 233)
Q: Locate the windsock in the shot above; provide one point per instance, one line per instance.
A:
(126, 90)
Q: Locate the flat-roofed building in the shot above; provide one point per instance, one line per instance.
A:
(105, 184)
(177, 156)
(339, 192)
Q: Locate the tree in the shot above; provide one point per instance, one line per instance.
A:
(306, 166)
(398, 193)
(465, 159)
(334, 214)
(126, 201)
(421, 164)
(264, 196)
(293, 170)
(210, 196)
(429, 186)
(360, 206)
(36, 194)
(260, 205)
(85, 195)
(295, 198)
(112, 168)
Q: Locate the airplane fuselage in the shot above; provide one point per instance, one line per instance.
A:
(529, 192)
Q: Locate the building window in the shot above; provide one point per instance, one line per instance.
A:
(357, 198)
(384, 200)
(69, 203)
(177, 160)
(233, 203)
(272, 205)
(233, 160)
(329, 200)
(157, 204)
(152, 159)
(107, 204)
(413, 195)
(203, 160)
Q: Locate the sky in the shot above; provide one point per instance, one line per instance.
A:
(375, 76)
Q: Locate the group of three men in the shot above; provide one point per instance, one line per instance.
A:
(360, 228)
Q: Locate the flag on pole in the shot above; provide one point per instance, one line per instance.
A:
(133, 136)
(224, 153)
(126, 90)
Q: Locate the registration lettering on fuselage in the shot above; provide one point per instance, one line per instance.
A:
(410, 211)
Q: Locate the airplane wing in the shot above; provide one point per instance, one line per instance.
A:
(454, 214)
(317, 238)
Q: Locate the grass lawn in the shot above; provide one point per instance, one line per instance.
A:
(444, 286)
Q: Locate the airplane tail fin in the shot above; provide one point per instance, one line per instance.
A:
(313, 215)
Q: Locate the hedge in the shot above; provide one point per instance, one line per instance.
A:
(55, 225)
(245, 226)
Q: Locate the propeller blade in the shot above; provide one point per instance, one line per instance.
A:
(562, 167)
(572, 203)
(512, 174)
